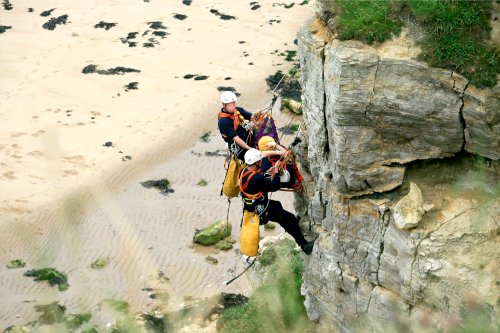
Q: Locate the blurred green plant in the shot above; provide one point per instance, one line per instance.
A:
(276, 305)
(52, 275)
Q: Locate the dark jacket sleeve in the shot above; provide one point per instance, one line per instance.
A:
(268, 184)
(247, 115)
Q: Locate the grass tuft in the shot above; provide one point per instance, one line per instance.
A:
(369, 21)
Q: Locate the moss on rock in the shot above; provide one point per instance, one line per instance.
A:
(212, 234)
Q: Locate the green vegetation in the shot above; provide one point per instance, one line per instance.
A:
(276, 305)
(457, 35)
(202, 182)
(51, 313)
(76, 320)
(457, 32)
(118, 305)
(51, 275)
(211, 259)
(369, 21)
(269, 226)
(100, 263)
(17, 263)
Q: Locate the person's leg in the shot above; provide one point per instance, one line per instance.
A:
(287, 220)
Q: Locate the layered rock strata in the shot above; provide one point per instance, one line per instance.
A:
(369, 115)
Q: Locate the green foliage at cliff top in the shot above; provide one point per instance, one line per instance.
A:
(369, 21)
(276, 305)
(457, 31)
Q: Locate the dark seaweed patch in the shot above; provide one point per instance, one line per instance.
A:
(205, 137)
(162, 184)
(132, 86)
(289, 55)
(108, 144)
(132, 35)
(273, 21)
(305, 2)
(30, 10)
(148, 45)
(155, 25)
(218, 152)
(224, 17)
(196, 77)
(284, 5)
(254, 5)
(55, 21)
(4, 28)
(7, 5)
(227, 78)
(161, 34)
(90, 69)
(46, 13)
(127, 40)
(222, 88)
(187, 2)
(290, 87)
(105, 25)
(241, 42)
(180, 16)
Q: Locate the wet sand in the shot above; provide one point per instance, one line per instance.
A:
(67, 199)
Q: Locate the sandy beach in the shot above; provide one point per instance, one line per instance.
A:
(76, 140)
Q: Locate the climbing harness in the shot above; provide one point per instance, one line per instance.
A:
(244, 183)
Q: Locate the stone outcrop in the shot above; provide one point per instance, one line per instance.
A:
(371, 122)
(409, 210)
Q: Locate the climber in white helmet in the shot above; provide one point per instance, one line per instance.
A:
(231, 120)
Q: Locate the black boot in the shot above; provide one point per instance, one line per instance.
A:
(307, 247)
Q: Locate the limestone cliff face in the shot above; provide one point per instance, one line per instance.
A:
(371, 117)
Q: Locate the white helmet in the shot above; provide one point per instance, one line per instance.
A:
(252, 156)
(228, 97)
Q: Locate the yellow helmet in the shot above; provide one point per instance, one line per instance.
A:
(264, 141)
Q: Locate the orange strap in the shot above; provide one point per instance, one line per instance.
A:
(236, 120)
(244, 184)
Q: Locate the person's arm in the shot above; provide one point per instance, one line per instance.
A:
(271, 184)
(268, 153)
(247, 115)
(239, 141)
